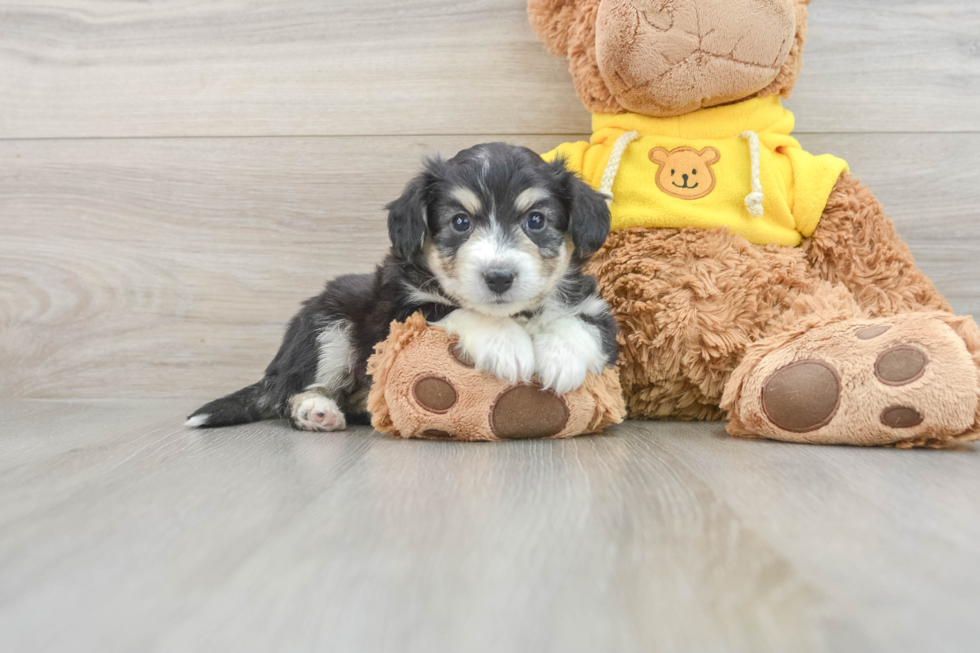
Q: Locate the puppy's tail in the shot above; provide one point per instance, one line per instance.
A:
(237, 408)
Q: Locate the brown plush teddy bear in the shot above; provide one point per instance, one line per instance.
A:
(750, 279)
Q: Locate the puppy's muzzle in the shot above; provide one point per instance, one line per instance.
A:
(499, 281)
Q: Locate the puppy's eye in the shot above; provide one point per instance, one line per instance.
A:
(535, 222)
(672, 172)
(461, 222)
(694, 172)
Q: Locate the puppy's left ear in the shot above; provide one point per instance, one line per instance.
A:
(588, 213)
(407, 215)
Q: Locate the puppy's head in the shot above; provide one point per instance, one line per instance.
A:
(497, 226)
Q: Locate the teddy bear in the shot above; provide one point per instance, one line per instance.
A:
(750, 279)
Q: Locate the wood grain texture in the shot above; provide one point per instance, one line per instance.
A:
(825, 505)
(121, 531)
(92, 68)
(897, 66)
(292, 67)
(168, 267)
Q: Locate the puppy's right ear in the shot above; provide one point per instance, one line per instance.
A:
(407, 215)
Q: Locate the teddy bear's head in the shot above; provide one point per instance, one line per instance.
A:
(670, 57)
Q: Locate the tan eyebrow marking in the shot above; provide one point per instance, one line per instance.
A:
(467, 198)
(529, 197)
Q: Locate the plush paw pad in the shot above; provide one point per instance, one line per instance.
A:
(900, 365)
(900, 417)
(787, 409)
(434, 394)
(526, 411)
(312, 411)
(909, 377)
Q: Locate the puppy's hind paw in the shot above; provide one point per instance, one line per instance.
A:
(311, 411)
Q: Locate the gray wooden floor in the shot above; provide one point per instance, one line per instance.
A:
(122, 531)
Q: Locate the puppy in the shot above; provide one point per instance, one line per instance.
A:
(489, 245)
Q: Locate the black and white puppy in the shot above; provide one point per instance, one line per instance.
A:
(489, 245)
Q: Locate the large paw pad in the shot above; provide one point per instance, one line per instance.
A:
(525, 411)
(789, 409)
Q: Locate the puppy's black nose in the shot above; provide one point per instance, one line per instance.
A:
(685, 180)
(499, 281)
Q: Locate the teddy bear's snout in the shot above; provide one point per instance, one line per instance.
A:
(690, 54)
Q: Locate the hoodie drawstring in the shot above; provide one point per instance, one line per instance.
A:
(753, 201)
(612, 167)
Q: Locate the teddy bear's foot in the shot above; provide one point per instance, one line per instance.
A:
(424, 388)
(909, 380)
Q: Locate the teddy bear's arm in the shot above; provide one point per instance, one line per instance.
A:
(856, 244)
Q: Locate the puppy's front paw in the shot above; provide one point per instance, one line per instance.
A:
(559, 366)
(507, 354)
(565, 350)
(496, 345)
(311, 411)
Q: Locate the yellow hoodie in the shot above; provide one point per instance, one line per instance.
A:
(700, 170)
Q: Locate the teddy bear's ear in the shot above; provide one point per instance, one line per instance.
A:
(790, 72)
(568, 29)
(553, 21)
(710, 155)
(659, 155)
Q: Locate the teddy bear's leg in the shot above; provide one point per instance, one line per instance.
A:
(688, 303)
(900, 369)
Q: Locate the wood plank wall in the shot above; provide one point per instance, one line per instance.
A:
(176, 176)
